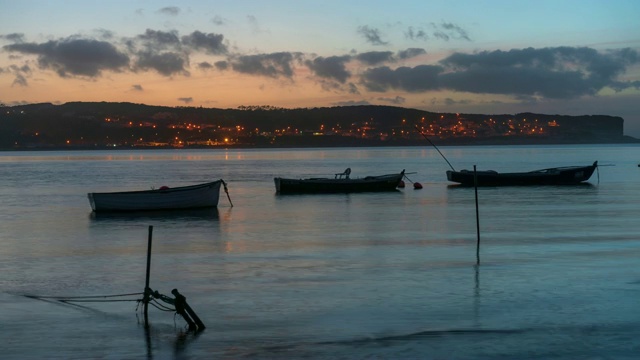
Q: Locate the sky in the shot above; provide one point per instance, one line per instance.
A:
(489, 57)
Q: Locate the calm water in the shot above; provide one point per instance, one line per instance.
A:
(362, 276)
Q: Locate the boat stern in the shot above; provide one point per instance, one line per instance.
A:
(91, 201)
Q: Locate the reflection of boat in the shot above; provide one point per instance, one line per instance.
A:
(186, 197)
(569, 175)
(210, 213)
(341, 183)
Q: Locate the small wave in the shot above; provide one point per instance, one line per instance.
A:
(424, 334)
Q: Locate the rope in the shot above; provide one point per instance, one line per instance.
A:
(434, 146)
(106, 298)
(72, 300)
(83, 297)
(227, 191)
(160, 306)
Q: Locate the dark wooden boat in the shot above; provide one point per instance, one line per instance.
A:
(569, 175)
(185, 197)
(341, 183)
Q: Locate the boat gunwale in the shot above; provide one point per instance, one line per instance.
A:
(160, 190)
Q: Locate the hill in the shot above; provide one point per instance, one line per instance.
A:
(103, 124)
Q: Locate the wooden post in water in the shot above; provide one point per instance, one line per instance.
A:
(475, 183)
(187, 312)
(147, 290)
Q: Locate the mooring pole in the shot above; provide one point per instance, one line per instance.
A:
(147, 290)
(475, 182)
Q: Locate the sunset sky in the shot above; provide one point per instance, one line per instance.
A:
(490, 57)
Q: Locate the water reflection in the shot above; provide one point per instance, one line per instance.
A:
(209, 214)
(182, 340)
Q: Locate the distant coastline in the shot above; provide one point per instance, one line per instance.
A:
(101, 126)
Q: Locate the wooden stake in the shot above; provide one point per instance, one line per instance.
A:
(147, 290)
(475, 182)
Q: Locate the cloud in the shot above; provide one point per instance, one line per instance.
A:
(20, 72)
(398, 100)
(218, 20)
(444, 31)
(167, 63)
(410, 53)
(255, 26)
(161, 51)
(221, 65)
(137, 87)
(441, 35)
(186, 100)
(210, 43)
(416, 79)
(170, 10)
(351, 103)
(271, 65)
(74, 57)
(155, 40)
(14, 37)
(332, 67)
(19, 80)
(375, 57)
(559, 73)
(372, 36)
(416, 34)
(553, 73)
(205, 65)
(456, 31)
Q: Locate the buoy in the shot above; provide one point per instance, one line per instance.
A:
(164, 187)
(401, 184)
(417, 185)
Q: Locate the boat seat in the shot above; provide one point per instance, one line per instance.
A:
(344, 174)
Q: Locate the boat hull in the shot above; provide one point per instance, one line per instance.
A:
(326, 185)
(570, 175)
(187, 197)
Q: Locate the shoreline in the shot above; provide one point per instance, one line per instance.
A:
(460, 142)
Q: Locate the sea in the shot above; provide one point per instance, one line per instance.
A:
(548, 272)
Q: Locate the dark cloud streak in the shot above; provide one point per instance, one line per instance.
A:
(270, 65)
(410, 53)
(375, 57)
(77, 57)
(554, 73)
(14, 37)
(332, 67)
(444, 31)
(167, 63)
(170, 10)
(372, 36)
(156, 40)
(210, 43)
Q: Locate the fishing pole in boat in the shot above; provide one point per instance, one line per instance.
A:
(434, 146)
